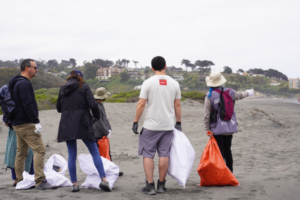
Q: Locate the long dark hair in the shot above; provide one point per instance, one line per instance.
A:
(79, 79)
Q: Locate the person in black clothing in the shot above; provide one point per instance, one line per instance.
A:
(102, 126)
(27, 125)
(74, 102)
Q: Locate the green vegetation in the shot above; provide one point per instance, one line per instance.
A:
(260, 84)
(131, 96)
(116, 86)
(193, 95)
(124, 76)
(46, 98)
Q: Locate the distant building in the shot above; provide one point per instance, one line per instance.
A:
(138, 87)
(105, 73)
(134, 74)
(174, 69)
(275, 84)
(178, 77)
(258, 75)
(245, 74)
(294, 83)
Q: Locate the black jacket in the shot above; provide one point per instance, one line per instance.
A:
(74, 106)
(23, 95)
(101, 126)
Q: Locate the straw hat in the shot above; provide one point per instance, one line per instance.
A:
(101, 93)
(215, 79)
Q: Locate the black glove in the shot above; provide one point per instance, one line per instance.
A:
(135, 127)
(178, 126)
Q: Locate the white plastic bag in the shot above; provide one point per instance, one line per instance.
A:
(182, 155)
(53, 178)
(93, 179)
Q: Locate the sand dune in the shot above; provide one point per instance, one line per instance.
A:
(265, 150)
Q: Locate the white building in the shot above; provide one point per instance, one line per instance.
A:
(178, 77)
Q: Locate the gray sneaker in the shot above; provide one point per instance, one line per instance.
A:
(161, 186)
(105, 186)
(149, 189)
(45, 186)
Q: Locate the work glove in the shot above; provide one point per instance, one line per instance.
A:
(178, 126)
(209, 134)
(109, 134)
(250, 92)
(38, 128)
(135, 127)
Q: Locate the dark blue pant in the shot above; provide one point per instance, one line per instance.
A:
(224, 143)
(72, 151)
(13, 173)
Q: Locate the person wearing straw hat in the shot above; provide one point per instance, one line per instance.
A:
(102, 126)
(222, 130)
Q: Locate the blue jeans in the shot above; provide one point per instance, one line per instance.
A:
(72, 151)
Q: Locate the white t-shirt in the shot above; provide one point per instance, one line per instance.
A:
(160, 92)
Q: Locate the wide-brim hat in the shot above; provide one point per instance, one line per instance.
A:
(215, 79)
(101, 93)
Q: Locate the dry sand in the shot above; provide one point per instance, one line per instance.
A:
(266, 154)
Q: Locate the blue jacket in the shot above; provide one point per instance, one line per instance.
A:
(23, 95)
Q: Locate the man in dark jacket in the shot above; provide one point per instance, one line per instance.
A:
(27, 125)
(102, 126)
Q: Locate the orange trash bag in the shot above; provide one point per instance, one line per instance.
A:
(212, 168)
(104, 147)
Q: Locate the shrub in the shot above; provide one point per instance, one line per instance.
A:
(41, 91)
(53, 100)
(193, 95)
(39, 97)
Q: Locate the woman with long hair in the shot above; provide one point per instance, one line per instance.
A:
(74, 102)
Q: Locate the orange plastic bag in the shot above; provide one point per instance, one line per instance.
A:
(212, 168)
(104, 147)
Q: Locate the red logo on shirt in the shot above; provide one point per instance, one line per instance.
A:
(162, 82)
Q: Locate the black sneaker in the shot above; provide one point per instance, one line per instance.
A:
(45, 186)
(14, 185)
(75, 188)
(105, 186)
(161, 186)
(120, 173)
(149, 189)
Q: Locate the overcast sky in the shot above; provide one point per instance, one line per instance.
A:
(235, 33)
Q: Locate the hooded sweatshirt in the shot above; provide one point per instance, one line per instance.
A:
(23, 95)
(75, 104)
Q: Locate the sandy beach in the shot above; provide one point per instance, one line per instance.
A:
(266, 154)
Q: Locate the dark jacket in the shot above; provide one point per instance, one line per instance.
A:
(101, 126)
(74, 106)
(24, 98)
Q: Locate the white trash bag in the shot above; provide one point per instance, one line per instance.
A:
(182, 155)
(93, 179)
(54, 178)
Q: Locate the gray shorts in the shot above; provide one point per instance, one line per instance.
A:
(150, 141)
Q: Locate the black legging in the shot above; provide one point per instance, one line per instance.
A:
(224, 143)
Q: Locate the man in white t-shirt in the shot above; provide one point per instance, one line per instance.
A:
(161, 95)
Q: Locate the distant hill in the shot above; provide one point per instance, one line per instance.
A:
(42, 79)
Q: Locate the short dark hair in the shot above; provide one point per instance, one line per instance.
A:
(25, 63)
(158, 63)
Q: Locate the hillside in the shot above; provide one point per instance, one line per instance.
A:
(42, 79)
(116, 86)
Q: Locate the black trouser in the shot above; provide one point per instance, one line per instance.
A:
(97, 138)
(224, 143)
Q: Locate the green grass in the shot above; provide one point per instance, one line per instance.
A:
(116, 86)
(193, 95)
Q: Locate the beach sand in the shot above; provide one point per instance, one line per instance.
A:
(266, 154)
